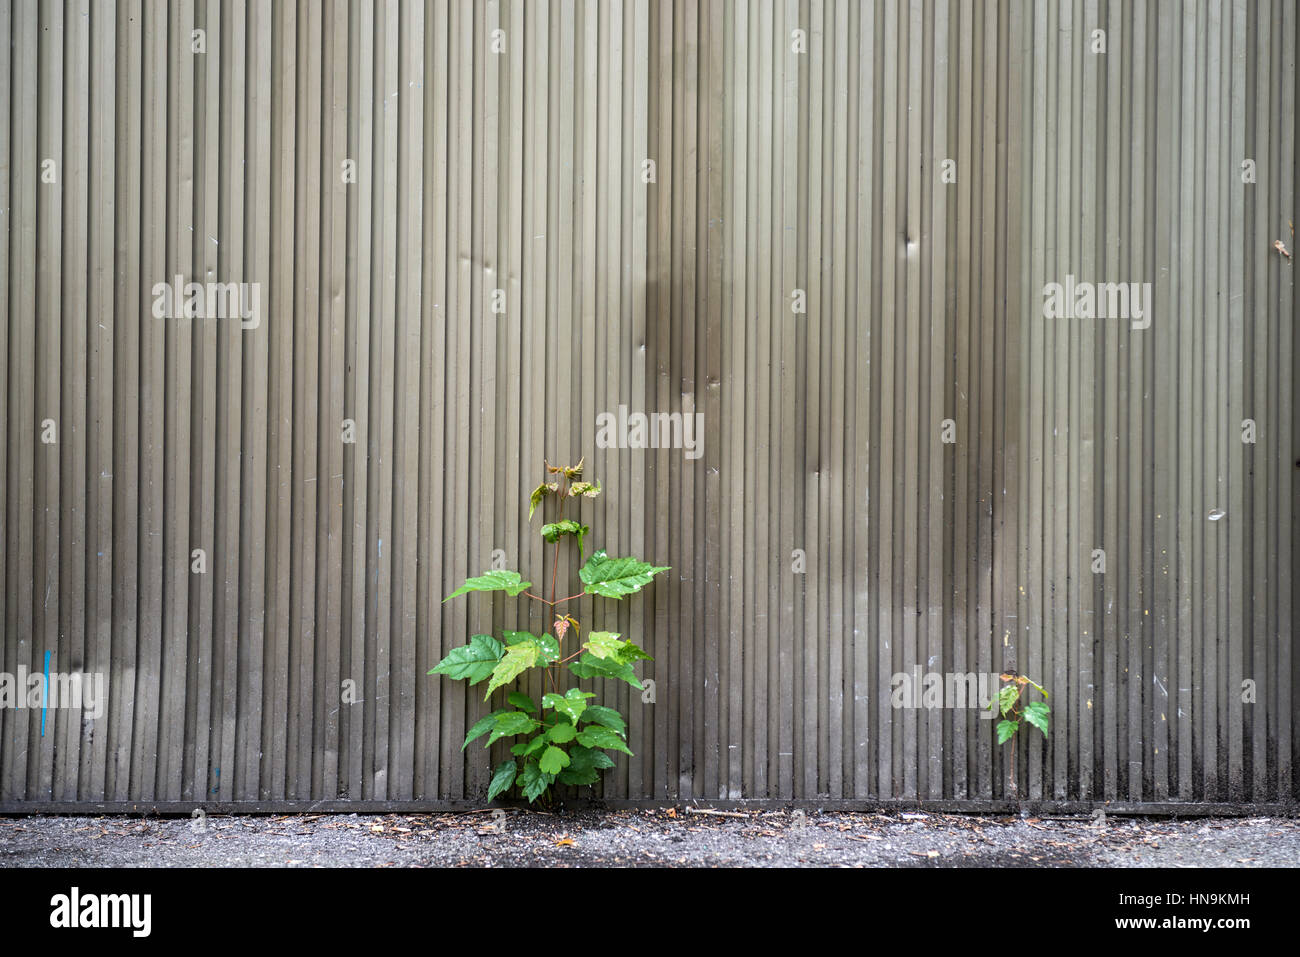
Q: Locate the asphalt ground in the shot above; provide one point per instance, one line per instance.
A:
(664, 837)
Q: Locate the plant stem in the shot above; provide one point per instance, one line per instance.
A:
(1015, 786)
(555, 566)
(555, 572)
(1015, 783)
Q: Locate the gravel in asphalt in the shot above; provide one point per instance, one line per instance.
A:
(664, 837)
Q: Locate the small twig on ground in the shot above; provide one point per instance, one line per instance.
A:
(705, 810)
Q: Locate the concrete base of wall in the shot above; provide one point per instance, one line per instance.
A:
(1028, 808)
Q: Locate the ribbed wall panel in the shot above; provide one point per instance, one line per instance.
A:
(840, 262)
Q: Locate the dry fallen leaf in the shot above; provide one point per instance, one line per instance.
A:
(564, 842)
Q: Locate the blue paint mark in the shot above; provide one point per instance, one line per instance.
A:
(45, 696)
(214, 789)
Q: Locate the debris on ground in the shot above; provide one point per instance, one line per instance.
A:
(662, 837)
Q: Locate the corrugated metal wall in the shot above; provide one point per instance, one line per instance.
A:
(463, 257)
(1132, 440)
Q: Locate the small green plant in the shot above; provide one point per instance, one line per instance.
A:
(564, 740)
(1009, 705)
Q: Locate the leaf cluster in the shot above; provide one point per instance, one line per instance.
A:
(1013, 710)
(565, 738)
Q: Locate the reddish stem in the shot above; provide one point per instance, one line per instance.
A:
(555, 573)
